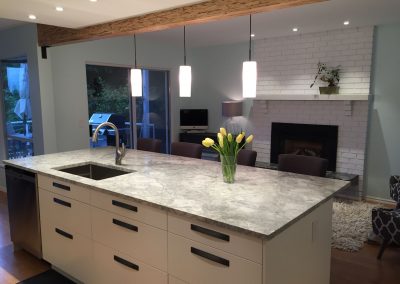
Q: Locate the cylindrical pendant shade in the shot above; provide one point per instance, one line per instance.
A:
(136, 82)
(249, 77)
(185, 81)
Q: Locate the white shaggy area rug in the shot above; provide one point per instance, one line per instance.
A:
(351, 224)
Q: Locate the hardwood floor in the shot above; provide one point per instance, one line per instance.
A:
(347, 268)
(19, 265)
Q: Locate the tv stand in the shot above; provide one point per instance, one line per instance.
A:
(196, 137)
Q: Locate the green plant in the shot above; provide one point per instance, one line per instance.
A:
(331, 75)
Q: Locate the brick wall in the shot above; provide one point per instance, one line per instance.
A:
(287, 65)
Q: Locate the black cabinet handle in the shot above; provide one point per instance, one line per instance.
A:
(124, 205)
(64, 234)
(61, 186)
(209, 256)
(62, 202)
(126, 263)
(209, 232)
(125, 225)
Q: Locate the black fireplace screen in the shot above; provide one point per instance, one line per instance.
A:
(305, 139)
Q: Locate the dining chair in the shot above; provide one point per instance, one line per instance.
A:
(148, 144)
(247, 158)
(185, 149)
(300, 164)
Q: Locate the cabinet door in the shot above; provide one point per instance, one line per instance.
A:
(111, 266)
(196, 263)
(66, 250)
(144, 242)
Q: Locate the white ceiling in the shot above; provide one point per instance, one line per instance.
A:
(317, 17)
(80, 13)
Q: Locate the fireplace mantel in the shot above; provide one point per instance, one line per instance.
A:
(359, 97)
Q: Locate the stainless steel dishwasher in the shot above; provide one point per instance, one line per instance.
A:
(23, 208)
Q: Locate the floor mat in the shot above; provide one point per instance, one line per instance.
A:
(49, 277)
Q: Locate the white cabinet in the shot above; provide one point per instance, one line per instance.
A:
(66, 249)
(67, 189)
(196, 263)
(134, 238)
(112, 266)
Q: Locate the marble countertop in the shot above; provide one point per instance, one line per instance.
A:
(261, 202)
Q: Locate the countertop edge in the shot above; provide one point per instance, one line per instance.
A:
(183, 213)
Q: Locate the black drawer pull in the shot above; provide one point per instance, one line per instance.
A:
(125, 225)
(61, 186)
(209, 256)
(62, 202)
(209, 232)
(126, 263)
(124, 205)
(64, 234)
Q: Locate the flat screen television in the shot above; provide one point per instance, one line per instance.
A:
(194, 119)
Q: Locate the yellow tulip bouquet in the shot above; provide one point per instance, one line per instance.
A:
(228, 148)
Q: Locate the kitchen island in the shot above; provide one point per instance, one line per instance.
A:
(174, 220)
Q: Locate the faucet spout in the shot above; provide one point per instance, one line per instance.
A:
(119, 151)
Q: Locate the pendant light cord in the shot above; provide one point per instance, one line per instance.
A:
(250, 41)
(134, 43)
(184, 45)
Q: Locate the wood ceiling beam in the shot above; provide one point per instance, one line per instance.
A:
(192, 14)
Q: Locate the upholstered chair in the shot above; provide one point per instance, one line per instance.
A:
(148, 144)
(185, 149)
(247, 157)
(394, 187)
(306, 165)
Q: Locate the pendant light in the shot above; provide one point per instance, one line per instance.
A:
(136, 76)
(249, 74)
(185, 72)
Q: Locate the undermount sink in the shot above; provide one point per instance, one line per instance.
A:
(95, 171)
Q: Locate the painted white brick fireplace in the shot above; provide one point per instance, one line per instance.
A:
(287, 66)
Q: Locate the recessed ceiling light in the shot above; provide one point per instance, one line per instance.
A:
(32, 17)
(346, 23)
(93, 0)
(59, 9)
(252, 35)
(295, 29)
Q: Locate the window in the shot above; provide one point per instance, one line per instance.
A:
(109, 99)
(16, 108)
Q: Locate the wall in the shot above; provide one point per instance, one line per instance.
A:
(69, 80)
(287, 65)
(21, 41)
(383, 157)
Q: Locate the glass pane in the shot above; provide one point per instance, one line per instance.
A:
(17, 108)
(152, 109)
(108, 97)
(19, 148)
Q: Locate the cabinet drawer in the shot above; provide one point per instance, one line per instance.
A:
(111, 266)
(64, 188)
(196, 263)
(242, 245)
(71, 214)
(66, 250)
(134, 238)
(136, 211)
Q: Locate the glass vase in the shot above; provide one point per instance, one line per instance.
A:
(228, 165)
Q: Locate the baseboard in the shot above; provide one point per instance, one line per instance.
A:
(373, 199)
(2, 189)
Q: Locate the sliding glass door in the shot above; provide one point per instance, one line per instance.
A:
(109, 99)
(16, 108)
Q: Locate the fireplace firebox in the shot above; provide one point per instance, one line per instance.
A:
(305, 139)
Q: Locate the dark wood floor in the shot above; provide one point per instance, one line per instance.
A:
(347, 268)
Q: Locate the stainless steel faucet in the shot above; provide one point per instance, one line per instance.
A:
(119, 152)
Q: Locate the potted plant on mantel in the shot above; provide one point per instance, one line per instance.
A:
(330, 75)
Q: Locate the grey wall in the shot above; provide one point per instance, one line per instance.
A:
(21, 41)
(383, 150)
(69, 80)
(217, 77)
